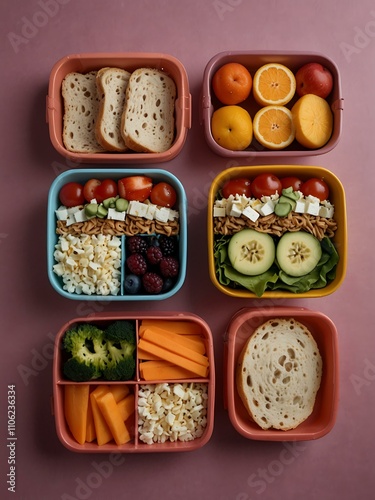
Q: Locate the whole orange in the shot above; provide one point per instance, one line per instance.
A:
(232, 83)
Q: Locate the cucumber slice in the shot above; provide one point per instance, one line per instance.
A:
(298, 253)
(250, 252)
(289, 193)
(283, 208)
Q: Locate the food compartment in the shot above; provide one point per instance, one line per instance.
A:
(85, 63)
(166, 409)
(324, 332)
(91, 241)
(252, 61)
(323, 221)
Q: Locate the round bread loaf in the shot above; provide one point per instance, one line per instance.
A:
(279, 373)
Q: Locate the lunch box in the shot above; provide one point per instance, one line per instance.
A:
(86, 62)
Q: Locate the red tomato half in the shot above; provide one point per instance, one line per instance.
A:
(315, 187)
(237, 186)
(265, 185)
(71, 194)
(135, 188)
(163, 194)
(291, 181)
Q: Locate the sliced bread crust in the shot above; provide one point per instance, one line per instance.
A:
(148, 118)
(279, 373)
(81, 107)
(111, 84)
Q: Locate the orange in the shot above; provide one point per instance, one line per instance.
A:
(273, 84)
(313, 121)
(232, 83)
(232, 127)
(273, 127)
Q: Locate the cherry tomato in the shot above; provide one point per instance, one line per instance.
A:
(237, 186)
(265, 185)
(291, 181)
(99, 190)
(71, 194)
(106, 189)
(163, 194)
(90, 188)
(315, 187)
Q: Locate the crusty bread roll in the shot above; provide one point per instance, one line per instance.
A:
(148, 118)
(111, 84)
(279, 373)
(81, 107)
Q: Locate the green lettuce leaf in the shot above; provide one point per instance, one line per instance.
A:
(275, 278)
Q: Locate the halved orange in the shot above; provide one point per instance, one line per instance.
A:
(273, 84)
(273, 127)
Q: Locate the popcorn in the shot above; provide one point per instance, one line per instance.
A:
(89, 264)
(172, 412)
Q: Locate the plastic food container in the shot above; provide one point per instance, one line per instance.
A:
(323, 417)
(135, 445)
(84, 63)
(304, 172)
(253, 60)
(83, 175)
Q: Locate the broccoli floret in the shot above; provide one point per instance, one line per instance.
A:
(88, 353)
(121, 344)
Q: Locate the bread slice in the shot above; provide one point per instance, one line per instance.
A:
(111, 84)
(81, 107)
(148, 118)
(279, 373)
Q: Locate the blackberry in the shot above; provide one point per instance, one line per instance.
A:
(169, 267)
(168, 245)
(152, 282)
(154, 255)
(136, 264)
(136, 244)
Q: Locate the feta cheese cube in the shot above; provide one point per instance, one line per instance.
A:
(137, 208)
(115, 215)
(327, 212)
(219, 211)
(236, 210)
(151, 209)
(300, 207)
(162, 214)
(61, 213)
(313, 205)
(80, 216)
(250, 213)
(267, 208)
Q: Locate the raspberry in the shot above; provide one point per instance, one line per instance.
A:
(168, 245)
(152, 282)
(136, 264)
(136, 244)
(154, 255)
(169, 267)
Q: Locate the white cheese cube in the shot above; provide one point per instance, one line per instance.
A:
(61, 213)
(70, 220)
(236, 210)
(151, 209)
(72, 210)
(219, 211)
(327, 212)
(313, 205)
(115, 215)
(250, 213)
(173, 214)
(137, 208)
(162, 214)
(221, 203)
(267, 208)
(300, 207)
(80, 216)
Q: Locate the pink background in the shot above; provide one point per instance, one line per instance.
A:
(229, 467)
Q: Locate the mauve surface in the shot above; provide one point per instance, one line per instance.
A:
(37, 33)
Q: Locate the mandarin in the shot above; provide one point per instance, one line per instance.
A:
(232, 83)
